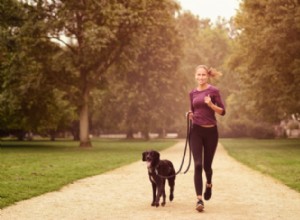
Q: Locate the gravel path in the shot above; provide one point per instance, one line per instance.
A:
(125, 193)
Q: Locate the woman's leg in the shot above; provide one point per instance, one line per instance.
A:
(210, 146)
(196, 147)
(210, 143)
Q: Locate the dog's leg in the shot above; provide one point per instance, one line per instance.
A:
(163, 193)
(159, 191)
(171, 182)
(154, 193)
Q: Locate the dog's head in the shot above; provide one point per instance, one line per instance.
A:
(151, 157)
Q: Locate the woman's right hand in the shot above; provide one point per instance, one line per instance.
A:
(190, 115)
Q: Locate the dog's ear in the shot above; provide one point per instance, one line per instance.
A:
(156, 157)
(144, 155)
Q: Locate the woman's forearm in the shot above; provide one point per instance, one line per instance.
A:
(216, 108)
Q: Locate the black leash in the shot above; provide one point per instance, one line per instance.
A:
(187, 143)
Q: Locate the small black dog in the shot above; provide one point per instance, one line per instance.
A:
(156, 169)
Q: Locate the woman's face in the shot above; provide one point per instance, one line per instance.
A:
(201, 76)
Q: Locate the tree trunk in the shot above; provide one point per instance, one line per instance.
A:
(52, 135)
(84, 121)
(162, 133)
(20, 134)
(129, 134)
(75, 130)
(146, 134)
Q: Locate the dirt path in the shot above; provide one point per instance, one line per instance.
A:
(125, 193)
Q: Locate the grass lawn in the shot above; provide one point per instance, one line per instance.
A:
(28, 169)
(279, 158)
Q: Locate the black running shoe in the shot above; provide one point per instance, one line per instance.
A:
(207, 193)
(200, 206)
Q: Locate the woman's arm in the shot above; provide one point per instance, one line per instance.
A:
(214, 107)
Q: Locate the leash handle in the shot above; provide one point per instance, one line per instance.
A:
(190, 152)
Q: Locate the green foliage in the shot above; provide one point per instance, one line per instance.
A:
(29, 169)
(239, 123)
(60, 52)
(277, 158)
(143, 92)
(58, 115)
(96, 34)
(203, 43)
(130, 64)
(267, 57)
(10, 13)
(27, 93)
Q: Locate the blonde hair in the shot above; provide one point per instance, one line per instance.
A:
(210, 71)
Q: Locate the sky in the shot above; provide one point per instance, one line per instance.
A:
(211, 8)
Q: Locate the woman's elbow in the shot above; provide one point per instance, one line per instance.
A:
(222, 112)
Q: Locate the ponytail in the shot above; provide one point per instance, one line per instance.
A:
(211, 71)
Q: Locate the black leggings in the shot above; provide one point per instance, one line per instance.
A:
(202, 138)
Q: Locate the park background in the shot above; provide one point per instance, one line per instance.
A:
(93, 67)
(83, 69)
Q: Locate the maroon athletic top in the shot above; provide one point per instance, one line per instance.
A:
(203, 114)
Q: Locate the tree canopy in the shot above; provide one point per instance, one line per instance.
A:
(267, 57)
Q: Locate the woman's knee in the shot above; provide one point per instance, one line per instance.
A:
(198, 167)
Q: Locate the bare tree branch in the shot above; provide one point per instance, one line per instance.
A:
(64, 43)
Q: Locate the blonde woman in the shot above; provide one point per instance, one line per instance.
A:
(205, 101)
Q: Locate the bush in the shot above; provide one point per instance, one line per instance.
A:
(246, 128)
(293, 124)
(233, 129)
(262, 131)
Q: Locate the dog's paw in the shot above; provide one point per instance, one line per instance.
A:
(156, 204)
(153, 204)
(163, 204)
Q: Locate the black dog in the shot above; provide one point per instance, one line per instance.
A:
(156, 169)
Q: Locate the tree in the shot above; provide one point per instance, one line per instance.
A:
(28, 95)
(204, 43)
(267, 58)
(145, 96)
(93, 34)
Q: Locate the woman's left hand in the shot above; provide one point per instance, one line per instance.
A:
(207, 100)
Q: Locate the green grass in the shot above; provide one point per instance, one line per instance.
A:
(28, 169)
(279, 158)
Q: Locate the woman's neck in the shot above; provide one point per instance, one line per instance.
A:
(203, 86)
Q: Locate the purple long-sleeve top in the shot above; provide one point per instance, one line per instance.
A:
(203, 114)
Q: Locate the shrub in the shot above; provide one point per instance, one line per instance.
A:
(262, 131)
(293, 124)
(247, 128)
